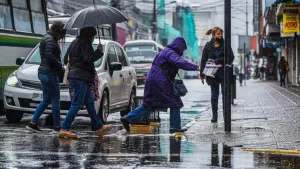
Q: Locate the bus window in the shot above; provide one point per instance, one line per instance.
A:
(21, 16)
(38, 18)
(5, 17)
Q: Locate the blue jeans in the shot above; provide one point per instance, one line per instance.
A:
(282, 79)
(51, 93)
(81, 96)
(135, 116)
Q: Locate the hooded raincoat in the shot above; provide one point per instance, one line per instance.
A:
(158, 87)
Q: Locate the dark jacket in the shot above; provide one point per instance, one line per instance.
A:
(158, 91)
(283, 66)
(50, 56)
(82, 58)
(211, 52)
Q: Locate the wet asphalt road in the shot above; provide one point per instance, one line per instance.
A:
(20, 148)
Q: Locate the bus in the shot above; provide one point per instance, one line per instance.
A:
(141, 53)
(22, 24)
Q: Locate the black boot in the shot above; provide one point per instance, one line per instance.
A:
(214, 108)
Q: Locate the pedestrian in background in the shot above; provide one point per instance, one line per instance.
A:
(82, 72)
(214, 49)
(262, 73)
(283, 68)
(158, 93)
(49, 72)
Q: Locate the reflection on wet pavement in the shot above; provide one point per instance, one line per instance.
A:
(130, 151)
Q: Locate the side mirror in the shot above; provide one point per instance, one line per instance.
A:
(20, 61)
(115, 66)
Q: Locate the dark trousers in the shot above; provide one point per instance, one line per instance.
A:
(282, 79)
(215, 92)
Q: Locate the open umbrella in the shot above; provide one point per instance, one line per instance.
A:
(95, 15)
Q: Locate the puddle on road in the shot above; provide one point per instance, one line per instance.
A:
(129, 152)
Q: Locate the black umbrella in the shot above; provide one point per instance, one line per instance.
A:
(95, 15)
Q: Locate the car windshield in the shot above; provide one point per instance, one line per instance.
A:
(35, 57)
(141, 53)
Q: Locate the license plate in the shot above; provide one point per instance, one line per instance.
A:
(37, 97)
(36, 105)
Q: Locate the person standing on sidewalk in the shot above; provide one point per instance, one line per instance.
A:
(49, 72)
(283, 67)
(158, 91)
(82, 72)
(214, 49)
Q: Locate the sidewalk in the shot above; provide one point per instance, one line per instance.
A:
(265, 117)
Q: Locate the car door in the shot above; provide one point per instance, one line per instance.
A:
(126, 73)
(116, 76)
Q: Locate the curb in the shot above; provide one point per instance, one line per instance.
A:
(273, 151)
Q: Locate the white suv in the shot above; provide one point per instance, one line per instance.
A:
(23, 90)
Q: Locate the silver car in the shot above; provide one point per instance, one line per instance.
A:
(117, 88)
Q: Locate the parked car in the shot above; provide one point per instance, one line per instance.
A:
(141, 54)
(23, 90)
(191, 75)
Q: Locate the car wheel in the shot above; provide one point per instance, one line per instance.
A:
(131, 106)
(104, 107)
(13, 116)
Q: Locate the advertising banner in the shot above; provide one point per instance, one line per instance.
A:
(290, 23)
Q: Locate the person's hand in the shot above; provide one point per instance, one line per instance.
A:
(100, 47)
(198, 69)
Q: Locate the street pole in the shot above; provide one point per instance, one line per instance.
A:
(228, 69)
(245, 63)
(114, 3)
(247, 33)
(154, 20)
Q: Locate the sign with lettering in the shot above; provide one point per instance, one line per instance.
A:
(290, 23)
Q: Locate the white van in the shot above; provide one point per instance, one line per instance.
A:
(23, 90)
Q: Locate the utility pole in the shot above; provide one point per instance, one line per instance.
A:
(245, 44)
(115, 4)
(228, 68)
(154, 21)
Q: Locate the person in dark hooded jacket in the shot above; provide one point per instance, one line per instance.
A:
(48, 73)
(81, 57)
(214, 49)
(158, 93)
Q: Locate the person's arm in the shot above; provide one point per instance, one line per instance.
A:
(50, 46)
(203, 61)
(66, 57)
(88, 53)
(180, 63)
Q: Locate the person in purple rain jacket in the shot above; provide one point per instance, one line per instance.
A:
(158, 92)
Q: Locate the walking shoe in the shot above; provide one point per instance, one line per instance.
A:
(125, 124)
(214, 120)
(67, 134)
(33, 127)
(56, 128)
(104, 130)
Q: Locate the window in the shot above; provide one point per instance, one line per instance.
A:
(112, 57)
(22, 20)
(39, 24)
(121, 56)
(19, 3)
(36, 5)
(3, 1)
(106, 32)
(21, 16)
(5, 17)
